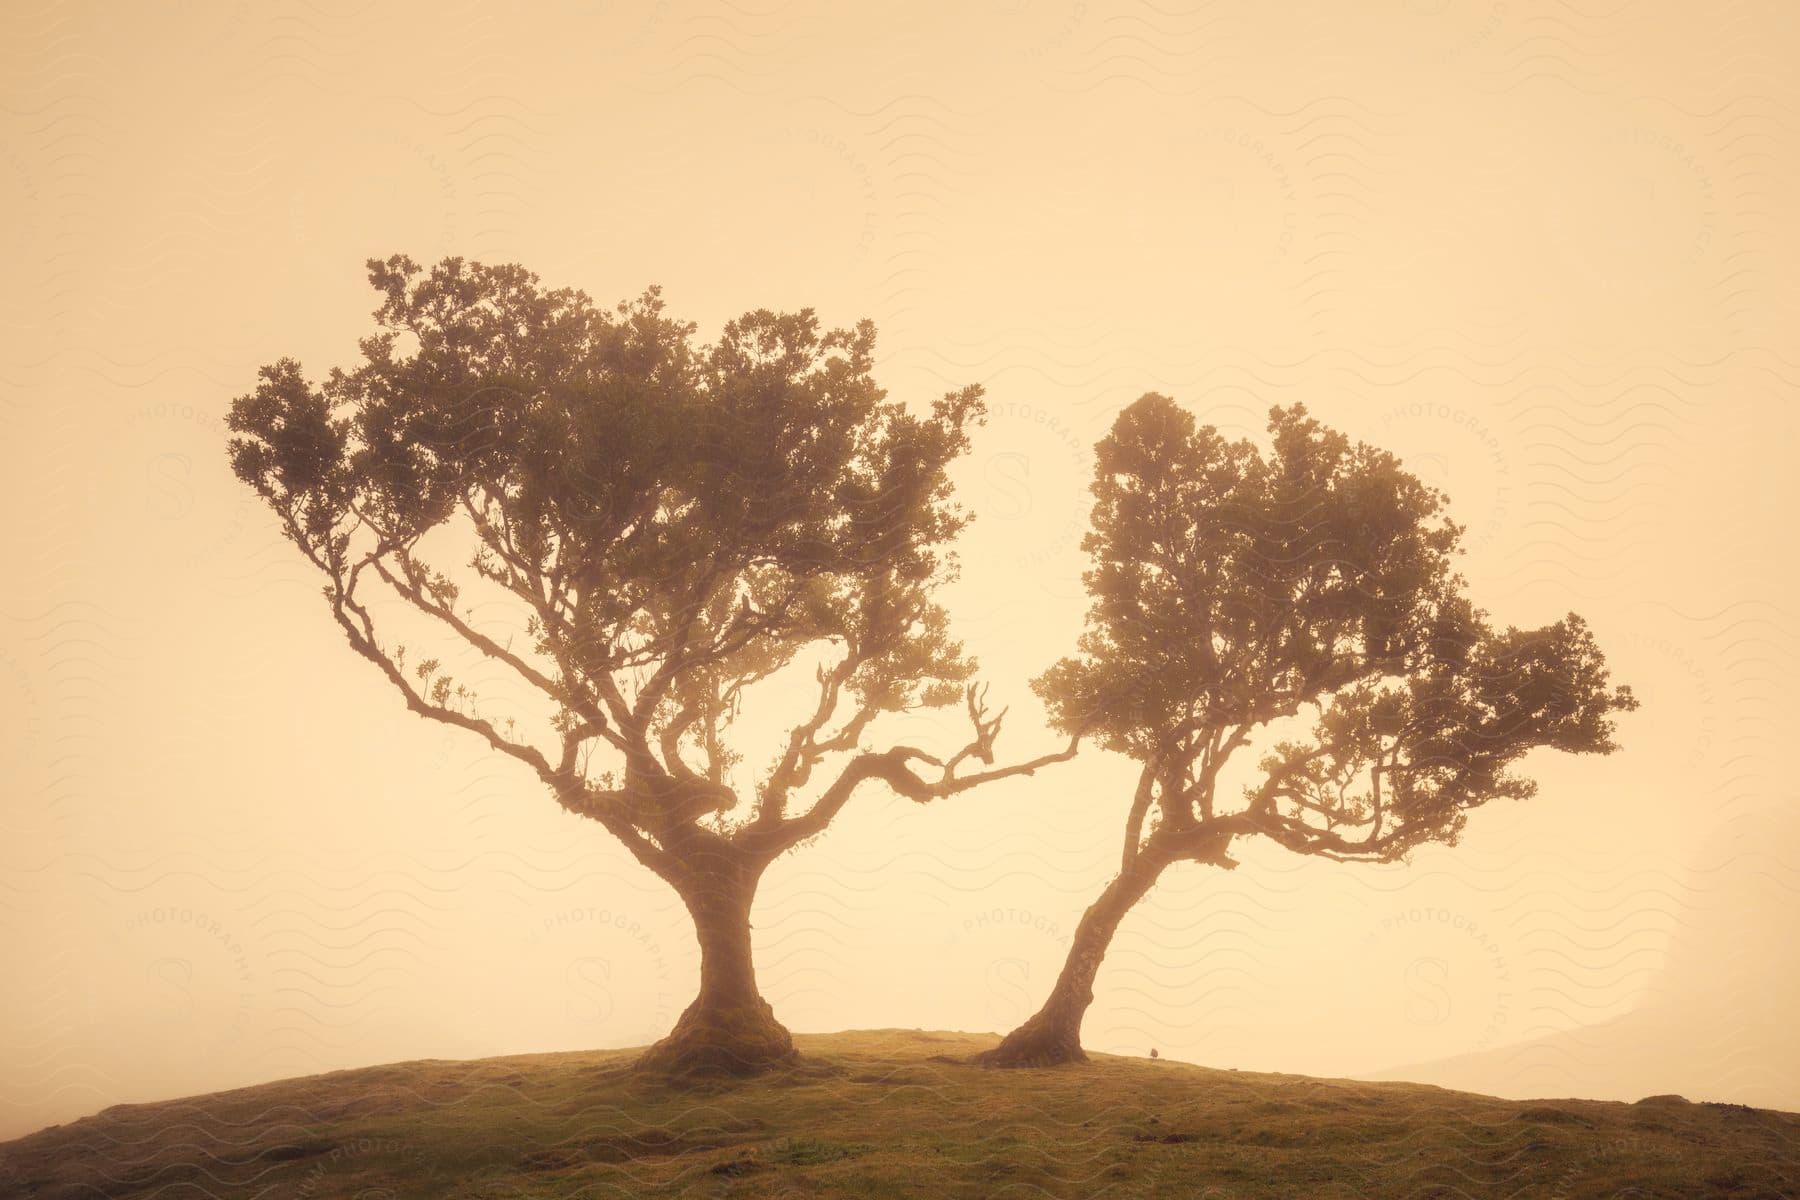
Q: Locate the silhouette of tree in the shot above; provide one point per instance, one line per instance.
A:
(668, 524)
(1232, 590)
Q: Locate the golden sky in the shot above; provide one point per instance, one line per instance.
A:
(1544, 252)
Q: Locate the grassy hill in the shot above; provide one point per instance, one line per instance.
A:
(890, 1113)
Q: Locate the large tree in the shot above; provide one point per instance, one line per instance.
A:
(1238, 595)
(667, 525)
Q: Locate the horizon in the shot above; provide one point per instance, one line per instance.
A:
(1550, 282)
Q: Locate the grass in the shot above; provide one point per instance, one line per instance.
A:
(890, 1113)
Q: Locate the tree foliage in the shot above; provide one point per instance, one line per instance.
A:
(1232, 588)
(672, 522)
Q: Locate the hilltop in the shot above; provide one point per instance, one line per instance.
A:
(892, 1113)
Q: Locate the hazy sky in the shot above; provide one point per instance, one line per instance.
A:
(1545, 253)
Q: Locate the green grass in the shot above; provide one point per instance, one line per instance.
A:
(891, 1114)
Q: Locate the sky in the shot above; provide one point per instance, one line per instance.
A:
(1536, 250)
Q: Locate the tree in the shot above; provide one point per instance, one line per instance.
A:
(667, 525)
(1234, 595)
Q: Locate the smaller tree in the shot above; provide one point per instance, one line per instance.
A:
(1232, 590)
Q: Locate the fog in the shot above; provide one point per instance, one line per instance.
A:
(1540, 257)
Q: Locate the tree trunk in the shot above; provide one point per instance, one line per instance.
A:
(729, 1029)
(1052, 1035)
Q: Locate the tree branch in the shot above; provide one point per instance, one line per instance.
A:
(893, 768)
(1140, 808)
(803, 750)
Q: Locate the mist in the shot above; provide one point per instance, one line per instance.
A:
(1553, 281)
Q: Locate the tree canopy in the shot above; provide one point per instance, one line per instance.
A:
(669, 523)
(1236, 593)
(1231, 589)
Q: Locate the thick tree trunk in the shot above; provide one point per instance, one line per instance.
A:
(1052, 1035)
(729, 1029)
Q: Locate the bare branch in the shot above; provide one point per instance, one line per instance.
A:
(669, 739)
(359, 628)
(803, 750)
(572, 792)
(986, 729)
(893, 767)
(410, 586)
